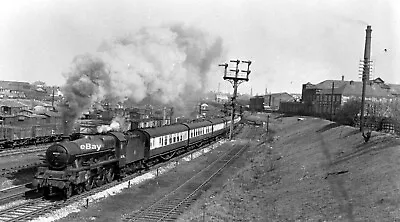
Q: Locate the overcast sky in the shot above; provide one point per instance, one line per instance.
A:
(289, 42)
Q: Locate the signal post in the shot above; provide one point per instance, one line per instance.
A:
(236, 79)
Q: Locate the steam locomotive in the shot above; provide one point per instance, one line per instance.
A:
(80, 165)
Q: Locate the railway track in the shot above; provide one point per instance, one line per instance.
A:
(17, 151)
(11, 170)
(13, 193)
(34, 208)
(25, 211)
(173, 204)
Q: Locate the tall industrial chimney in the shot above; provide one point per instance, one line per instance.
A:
(367, 53)
(365, 75)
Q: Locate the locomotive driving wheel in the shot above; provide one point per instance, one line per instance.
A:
(99, 180)
(110, 175)
(46, 192)
(89, 183)
(68, 191)
(79, 189)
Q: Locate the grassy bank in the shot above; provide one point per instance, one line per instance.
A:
(314, 170)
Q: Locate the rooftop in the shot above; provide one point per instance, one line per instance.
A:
(375, 88)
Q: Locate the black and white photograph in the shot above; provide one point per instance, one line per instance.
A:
(199, 110)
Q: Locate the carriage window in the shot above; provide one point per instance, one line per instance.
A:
(170, 139)
(160, 141)
(165, 140)
(174, 139)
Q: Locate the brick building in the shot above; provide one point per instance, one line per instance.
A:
(328, 96)
(274, 100)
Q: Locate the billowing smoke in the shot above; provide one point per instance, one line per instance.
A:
(87, 81)
(165, 65)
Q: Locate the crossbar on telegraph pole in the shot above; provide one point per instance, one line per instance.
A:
(235, 80)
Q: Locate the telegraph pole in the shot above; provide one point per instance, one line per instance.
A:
(235, 79)
(333, 87)
(52, 100)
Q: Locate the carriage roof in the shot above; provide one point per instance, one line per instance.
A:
(164, 130)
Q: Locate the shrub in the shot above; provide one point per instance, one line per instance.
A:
(348, 113)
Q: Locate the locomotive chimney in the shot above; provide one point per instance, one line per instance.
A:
(367, 53)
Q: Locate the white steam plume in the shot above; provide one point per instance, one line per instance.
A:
(165, 65)
(117, 124)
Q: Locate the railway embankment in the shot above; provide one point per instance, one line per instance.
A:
(313, 170)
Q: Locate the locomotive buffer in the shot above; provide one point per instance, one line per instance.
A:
(235, 79)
